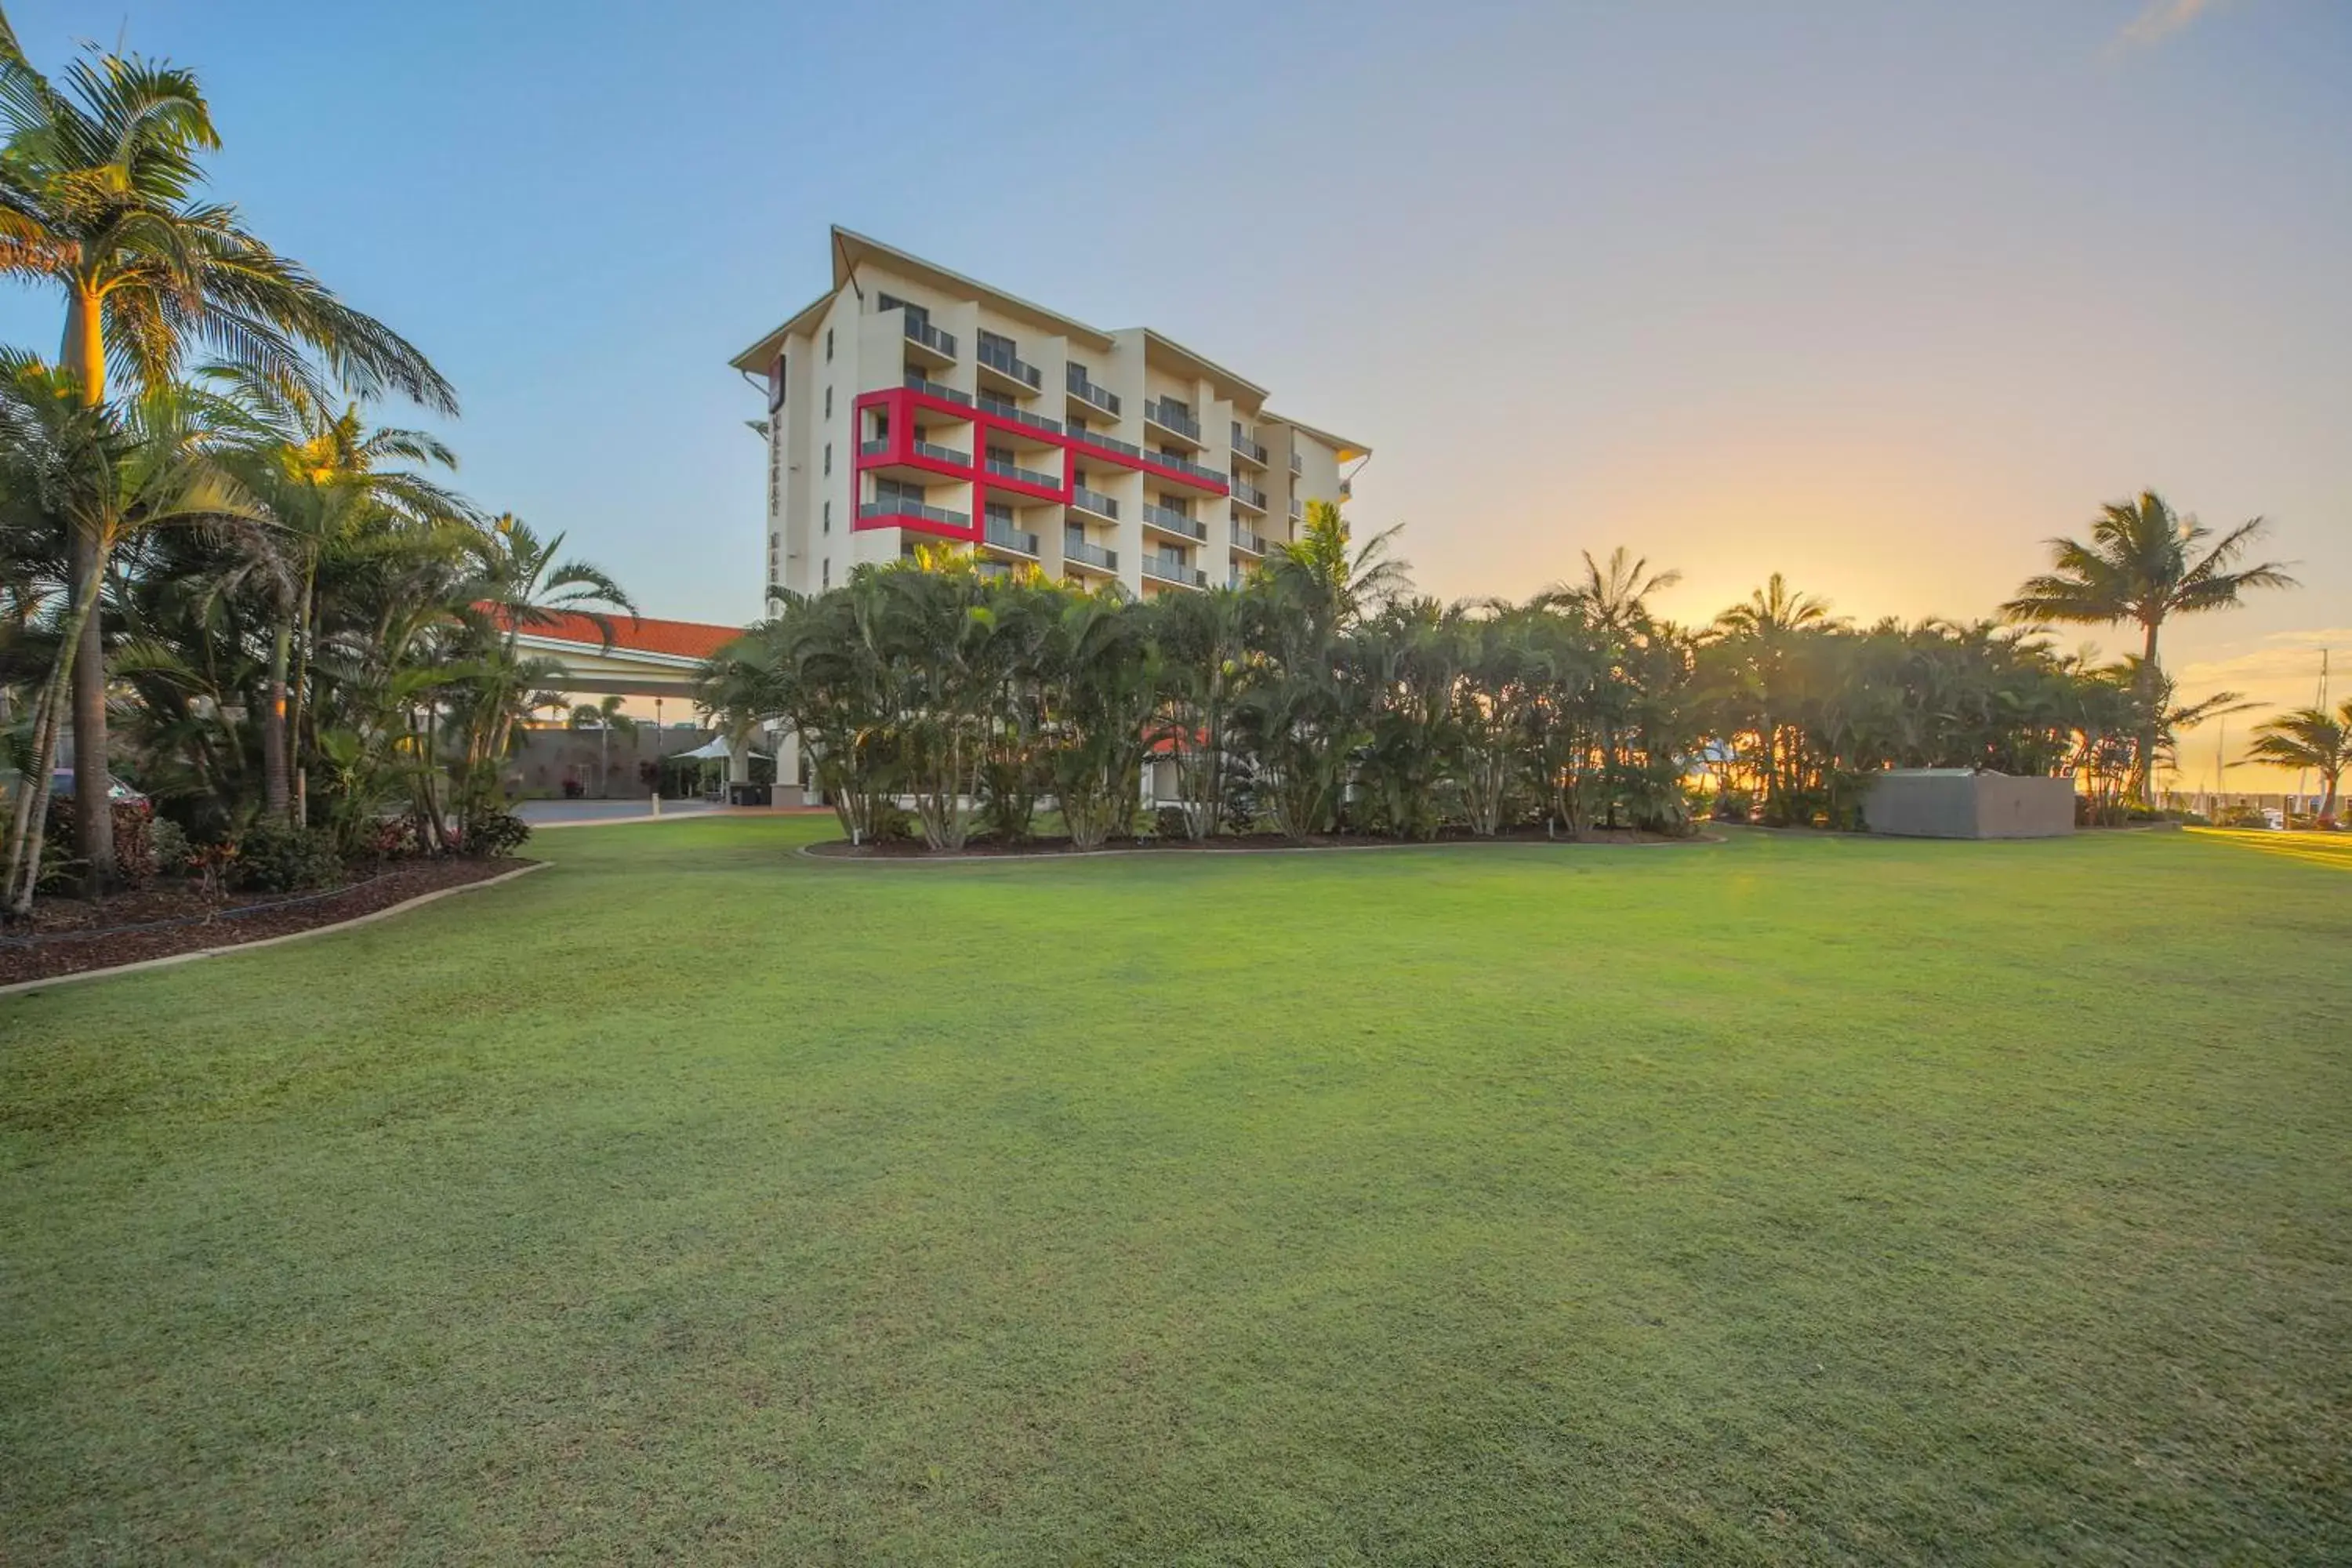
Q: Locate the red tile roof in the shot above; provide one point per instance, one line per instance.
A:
(682, 640)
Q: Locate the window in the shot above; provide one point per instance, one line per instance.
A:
(828, 457)
(828, 516)
(828, 345)
(881, 425)
(999, 342)
(1078, 427)
(828, 403)
(776, 384)
(1000, 512)
(826, 581)
(1001, 455)
(897, 492)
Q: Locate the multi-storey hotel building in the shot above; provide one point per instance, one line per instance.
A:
(908, 404)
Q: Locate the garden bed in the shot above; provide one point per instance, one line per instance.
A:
(70, 936)
(1246, 844)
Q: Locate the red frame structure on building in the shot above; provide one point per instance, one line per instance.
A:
(900, 403)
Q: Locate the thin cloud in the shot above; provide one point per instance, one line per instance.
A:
(2162, 18)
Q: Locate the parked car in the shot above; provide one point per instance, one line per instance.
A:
(61, 785)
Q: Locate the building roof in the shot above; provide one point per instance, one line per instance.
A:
(1346, 448)
(640, 634)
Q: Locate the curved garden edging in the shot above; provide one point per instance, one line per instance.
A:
(385, 913)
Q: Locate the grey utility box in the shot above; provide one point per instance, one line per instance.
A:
(1959, 802)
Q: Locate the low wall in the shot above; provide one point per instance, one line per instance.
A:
(544, 759)
(1953, 802)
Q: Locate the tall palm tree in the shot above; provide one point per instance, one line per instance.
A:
(1336, 584)
(98, 198)
(1616, 597)
(2308, 738)
(107, 473)
(1762, 636)
(321, 474)
(2143, 565)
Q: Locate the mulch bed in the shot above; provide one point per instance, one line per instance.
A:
(67, 936)
(1255, 843)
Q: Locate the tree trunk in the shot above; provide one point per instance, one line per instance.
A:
(298, 707)
(273, 726)
(2150, 723)
(84, 358)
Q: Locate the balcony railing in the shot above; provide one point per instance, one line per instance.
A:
(1003, 360)
(1166, 415)
(1165, 569)
(1171, 521)
(938, 515)
(1087, 391)
(939, 454)
(1187, 466)
(1296, 466)
(1112, 444)
(1018, 414)
(1094, 501)
(1248, 494)
(873, 448)
(1004, 536)
(1245, 446)
(917, 382)
(1004, 470)
(1076, 548)
(1296, 510)
(921, 331)
(1244, 539)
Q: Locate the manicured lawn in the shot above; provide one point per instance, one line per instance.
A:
(1799, 1199)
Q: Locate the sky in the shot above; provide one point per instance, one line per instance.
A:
(1881, 297)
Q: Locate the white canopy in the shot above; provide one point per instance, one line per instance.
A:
(713, 752)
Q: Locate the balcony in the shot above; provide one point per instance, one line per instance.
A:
(1346, 490)
(1172, 419)
(1170, 522)
(1296, 466)
(1021, 475)
(1004, 536)
(1094, 501)
(1247, 449)
(1249, 495)
(999, 362)
(1112, 444)
(916, 382)
(873, 448)
(1102, 399)
(1169, 569)
(927, 344)
(1001, 409)
(1248, 543)
(1297, 511)
(936, 453)
(1078, 553)
(889, 508)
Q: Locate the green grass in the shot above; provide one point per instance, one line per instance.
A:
(1796, 1200)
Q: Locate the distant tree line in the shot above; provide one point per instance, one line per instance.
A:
(1321, 695)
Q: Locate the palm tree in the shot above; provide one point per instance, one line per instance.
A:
(605, 717)
(1761, 639)
(105, 473)
(1616, 595)
(2142, 565)
(321, 476)
(98, 198)
(1336, 587)
(2308, 738)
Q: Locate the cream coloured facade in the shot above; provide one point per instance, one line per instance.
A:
(912, 405)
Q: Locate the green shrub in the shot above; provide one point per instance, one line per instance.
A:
(169, 843)
(273, 856)
(491, 834)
